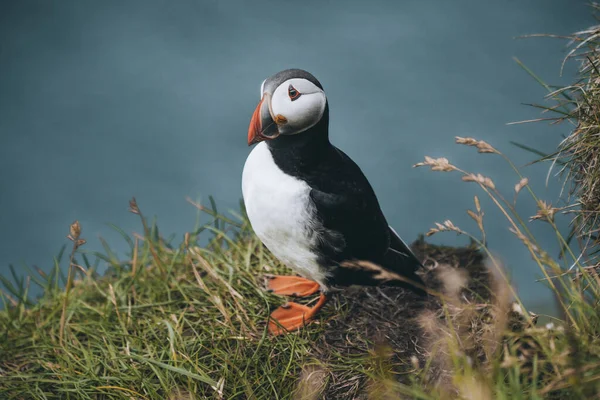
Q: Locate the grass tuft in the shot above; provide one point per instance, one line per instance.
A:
(578, 155)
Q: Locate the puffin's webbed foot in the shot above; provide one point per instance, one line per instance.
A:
(291, 286)
(293, 316)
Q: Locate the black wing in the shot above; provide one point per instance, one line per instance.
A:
(354, 227)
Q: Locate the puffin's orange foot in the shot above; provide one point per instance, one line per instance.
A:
(293, 316)
(291, 286)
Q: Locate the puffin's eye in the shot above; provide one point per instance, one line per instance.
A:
(293, 93)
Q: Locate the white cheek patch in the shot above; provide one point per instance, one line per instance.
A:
(302, 113)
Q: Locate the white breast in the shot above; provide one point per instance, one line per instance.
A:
(281, 213)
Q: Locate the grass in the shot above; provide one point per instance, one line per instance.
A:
(184, 321)
(561, 363)
(578, 155)
(171, 321)
(167, 321)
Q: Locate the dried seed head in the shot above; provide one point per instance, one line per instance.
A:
(133, 207)
(545, 212)
(446, 226)
(477, 204)
(522, 183)
(470, 178)
(473, 215)
(74, 231)
(469, 141)
(437, 164)
(377, 272)
(482, 147)
(431, 232)
(482, 180)
(477, 216)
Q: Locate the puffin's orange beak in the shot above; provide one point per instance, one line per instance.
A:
(262, 126)
(255, 127)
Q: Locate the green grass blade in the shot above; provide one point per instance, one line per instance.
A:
(202, 378)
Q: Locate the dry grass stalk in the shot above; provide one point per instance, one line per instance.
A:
(545, 212)
(444, 227)
(482, 180)
(74, 236)
(482, 147)
(465, 331)
(579, 152)
(522, 183)
(436, 164)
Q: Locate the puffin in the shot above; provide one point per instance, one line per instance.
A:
(312, 206)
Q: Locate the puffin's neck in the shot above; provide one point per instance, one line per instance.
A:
(298, 154)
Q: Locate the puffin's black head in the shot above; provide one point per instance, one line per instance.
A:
(292, 101)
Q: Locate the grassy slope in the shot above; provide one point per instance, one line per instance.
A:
(175, 321)
(189, 322)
